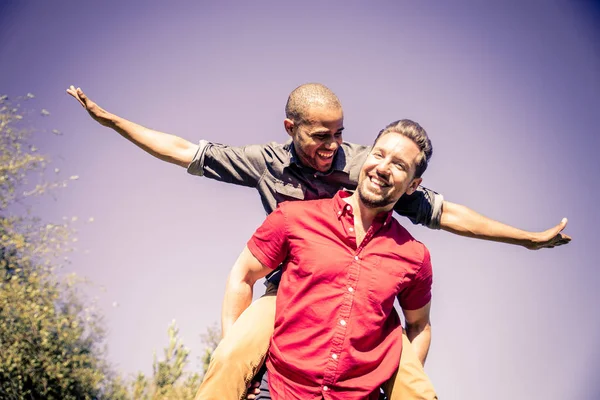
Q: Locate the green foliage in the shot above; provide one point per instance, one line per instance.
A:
(210, 339)
(51, 344)
(169, 379)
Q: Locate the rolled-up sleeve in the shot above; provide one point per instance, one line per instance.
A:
(270, 244)
(418, 294)
(423, 207)
(238, 165)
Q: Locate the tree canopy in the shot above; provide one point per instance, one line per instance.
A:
(52, 343)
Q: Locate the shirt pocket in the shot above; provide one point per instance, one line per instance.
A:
(384, 282)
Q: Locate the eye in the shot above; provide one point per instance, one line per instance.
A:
(338, 135)
(377, 155)
(399, 166)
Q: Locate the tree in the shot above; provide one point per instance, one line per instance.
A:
(52, 345)
(169, 379)
(210, 339)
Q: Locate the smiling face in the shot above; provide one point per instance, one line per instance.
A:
(318, 137)
(388, 171)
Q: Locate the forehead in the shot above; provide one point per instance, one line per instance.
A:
(322, 115)
(398, 146)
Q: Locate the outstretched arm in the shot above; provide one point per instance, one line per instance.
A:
(164, 146)
(238, 292)
(463, 221)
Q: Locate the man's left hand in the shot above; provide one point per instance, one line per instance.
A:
(549, 238)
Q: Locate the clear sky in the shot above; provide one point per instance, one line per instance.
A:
(509, 94)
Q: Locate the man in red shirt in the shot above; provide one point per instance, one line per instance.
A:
(345, 260)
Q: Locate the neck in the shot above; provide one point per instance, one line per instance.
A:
(363, 214)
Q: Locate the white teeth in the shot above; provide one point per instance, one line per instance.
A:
(325, 155)
(377, 181)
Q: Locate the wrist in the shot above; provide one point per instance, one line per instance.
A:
(529, 240)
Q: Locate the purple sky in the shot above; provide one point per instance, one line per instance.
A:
(508, 94)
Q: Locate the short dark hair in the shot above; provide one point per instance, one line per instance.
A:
(417, 134)
(306, 95)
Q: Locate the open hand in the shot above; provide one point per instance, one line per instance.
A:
(550, 238)
(95, 111)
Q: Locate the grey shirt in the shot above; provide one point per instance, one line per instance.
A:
(276, 172)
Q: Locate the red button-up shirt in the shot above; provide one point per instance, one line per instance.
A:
(337, 335)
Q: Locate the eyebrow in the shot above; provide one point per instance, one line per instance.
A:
(394, 159)
(326, 132)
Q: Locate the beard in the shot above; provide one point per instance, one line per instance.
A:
(373, 201)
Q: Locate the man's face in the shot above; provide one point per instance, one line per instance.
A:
(317, 140)
(388, 171)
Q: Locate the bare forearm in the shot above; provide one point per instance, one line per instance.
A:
(164, 146)
(463, 221)
(238, 296)
(420, 338)
(466, 222)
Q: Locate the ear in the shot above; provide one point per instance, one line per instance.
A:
(413, 185)
(289, 125)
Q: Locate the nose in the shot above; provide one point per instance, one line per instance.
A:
(383, 167)
(332, 145)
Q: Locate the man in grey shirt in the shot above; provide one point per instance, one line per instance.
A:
(316, 163)
(278, 174)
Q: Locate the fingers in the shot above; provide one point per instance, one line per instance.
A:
(78, 95)
(558, 228)
(563, 224)
(558, 240)
(561, 239)
(253, 390)
(564, 237)
(555, 235)
(551, 238)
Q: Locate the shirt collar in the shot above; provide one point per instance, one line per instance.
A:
(339, 161)
(341, 208)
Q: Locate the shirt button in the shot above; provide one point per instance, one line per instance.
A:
(342, 322)
(334, 356)
(315, 175)
(351, 289)
(356, 258)
(339, 213)
(325, 388)
(351, 229)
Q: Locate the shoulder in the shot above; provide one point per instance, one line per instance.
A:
(257, 148)
(409, 247)
(351, 158)
(353, 150)
(271, 147)
(277, 151)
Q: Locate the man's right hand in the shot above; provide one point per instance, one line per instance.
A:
(164, 146)
(95, 111)
(253, 390)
